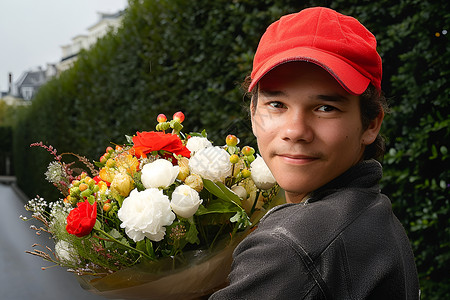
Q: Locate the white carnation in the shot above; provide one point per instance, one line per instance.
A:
(196, 143)
(65, 252)
(144, 214)
(211, 163)
(159, 174)
(185, 201)
(261, 174)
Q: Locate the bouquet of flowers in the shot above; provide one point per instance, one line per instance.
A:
(163, 207)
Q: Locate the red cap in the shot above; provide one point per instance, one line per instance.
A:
(338, 43)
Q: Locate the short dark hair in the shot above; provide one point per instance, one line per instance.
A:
(372, 103)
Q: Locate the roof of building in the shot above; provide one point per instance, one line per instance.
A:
(32, 78)
(103, 16)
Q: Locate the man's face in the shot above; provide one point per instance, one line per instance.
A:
(308, 127)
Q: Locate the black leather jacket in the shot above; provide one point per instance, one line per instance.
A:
(344, 242)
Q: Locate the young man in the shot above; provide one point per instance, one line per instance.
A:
(316, 110)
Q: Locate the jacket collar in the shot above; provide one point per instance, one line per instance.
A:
(366, 174)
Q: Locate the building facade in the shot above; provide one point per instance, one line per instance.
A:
(106, 23)
(30, 81)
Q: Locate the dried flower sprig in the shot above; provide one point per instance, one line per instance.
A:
(85, 161)
(50, 149)
(61, 174)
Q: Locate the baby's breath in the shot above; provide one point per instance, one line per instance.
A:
(55, 173)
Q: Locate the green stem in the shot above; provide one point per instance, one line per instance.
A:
(202, 232)
(217, 235)
(254, 203)
(125, 245)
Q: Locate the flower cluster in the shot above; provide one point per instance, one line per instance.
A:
(160, 195)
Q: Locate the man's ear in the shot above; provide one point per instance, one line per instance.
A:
(371, 133)
(252, 117)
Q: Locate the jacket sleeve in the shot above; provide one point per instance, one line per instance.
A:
(266, 266)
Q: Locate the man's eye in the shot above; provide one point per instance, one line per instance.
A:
(276, 104)
(326, 108)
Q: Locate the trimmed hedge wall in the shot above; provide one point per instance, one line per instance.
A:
(175, 55)
(6, 150)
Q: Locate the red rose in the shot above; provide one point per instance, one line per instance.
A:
(146, 142)
(81, 219)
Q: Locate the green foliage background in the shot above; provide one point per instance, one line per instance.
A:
(191, 56)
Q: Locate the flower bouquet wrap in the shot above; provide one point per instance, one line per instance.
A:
(156, 218)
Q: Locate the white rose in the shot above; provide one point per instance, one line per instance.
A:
(261, 174)
(211, 163)
(196, 143)
(144, 214)
(185, 201)
(159, 174)
(65, 252)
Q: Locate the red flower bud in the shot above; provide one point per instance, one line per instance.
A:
(247, 151)
(178, 116)
(109, 149)
(161, 118)
(103, 159)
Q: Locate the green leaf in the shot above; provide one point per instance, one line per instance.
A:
(149, 248)
(229, 194)
(241, 218)
(129, 139)
(434, 152)
(97, 225)
(192, 234)
(118, 236)
(140, 245)
(213, 188)
(217, 206)
(221, 191)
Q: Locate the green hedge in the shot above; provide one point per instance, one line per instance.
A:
(175, 55)
(416, 53)
(6, 150)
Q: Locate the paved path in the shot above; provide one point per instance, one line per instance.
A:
(21, 276)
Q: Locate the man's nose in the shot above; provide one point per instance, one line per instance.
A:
(298, 128)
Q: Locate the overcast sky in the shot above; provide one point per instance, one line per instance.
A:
(33, 31)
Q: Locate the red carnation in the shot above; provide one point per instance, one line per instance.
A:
(81, 219)
(146, 142)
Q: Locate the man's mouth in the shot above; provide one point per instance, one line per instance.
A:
(297, 158)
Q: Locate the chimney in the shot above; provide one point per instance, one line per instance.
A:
(10, 77)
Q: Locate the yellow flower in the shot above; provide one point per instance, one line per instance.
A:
(122, 184)
(103, 187)
(195, 182)
(107, 174)
(183, 163)
(127, 163)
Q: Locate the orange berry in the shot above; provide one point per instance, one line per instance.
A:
(232, 140)
(83, 187)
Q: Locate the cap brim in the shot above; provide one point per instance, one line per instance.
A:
(348, 77)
